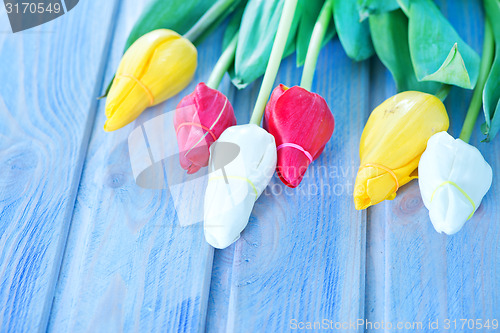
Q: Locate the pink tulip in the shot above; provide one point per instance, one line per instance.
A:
(200, 118)
(301, 124)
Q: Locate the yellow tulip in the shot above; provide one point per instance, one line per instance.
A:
(156, 67)
(392, 142)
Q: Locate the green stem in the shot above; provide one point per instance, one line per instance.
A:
(476, 101)
(222, 65)
(208, 19)
(443, 92)
(315, 45)
(274, 60)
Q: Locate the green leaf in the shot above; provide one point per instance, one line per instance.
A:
(437, 51)
(404, 5)
(237, 6)
(495, 123)
(484, 130)
(453, 68)
(232, 27)
(257, 31)
(491, 92)
(491, 98)
(492, 9)
(178, 15)
(306, 26)
(371, 7)
(354, 35)
(390, 38)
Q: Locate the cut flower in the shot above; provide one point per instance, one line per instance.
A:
(242, 163)
(453, 179)
(200, 118)
(392, 142)
(302, 124)
(156, 67)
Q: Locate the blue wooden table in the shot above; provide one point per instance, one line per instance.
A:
(84, 249)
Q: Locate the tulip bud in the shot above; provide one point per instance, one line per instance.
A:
(453, 179)
(392, 142)
(242, 163)
(302, 124)
(156, 67)
(200, 118)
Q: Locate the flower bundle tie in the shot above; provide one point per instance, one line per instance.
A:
(209, 131)
(383, 167)
(140, 84)
(461, 191)
(237, 178)
(298, 147)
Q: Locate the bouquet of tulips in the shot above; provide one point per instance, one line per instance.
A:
(405, 137)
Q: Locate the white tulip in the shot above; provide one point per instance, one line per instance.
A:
(453, 179)
(242, 163)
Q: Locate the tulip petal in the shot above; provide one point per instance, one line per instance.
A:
(200, 118)
(394, 138)
(156, 67)
(302, 124)
(236, 183)
(454, 177)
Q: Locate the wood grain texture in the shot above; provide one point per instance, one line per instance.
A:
(47, 102)
(302, 254)
(383, 86)
(129, 265)
(413, 273)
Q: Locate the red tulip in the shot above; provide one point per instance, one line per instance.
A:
(200, 118)
(302, 124)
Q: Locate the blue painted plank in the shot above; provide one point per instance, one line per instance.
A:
(302, 254)
(383, 87)
(129, 265)
(415, 274)
(47, 102)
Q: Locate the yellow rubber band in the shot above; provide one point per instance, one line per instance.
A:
(142, 85)
(461, 191)
(383, 167)
(239, 178)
